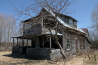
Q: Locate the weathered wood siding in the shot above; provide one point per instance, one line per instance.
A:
(73, 50)
(35, 26)
(36, 23)
(36, 29)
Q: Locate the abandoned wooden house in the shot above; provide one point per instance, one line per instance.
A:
(41, 30)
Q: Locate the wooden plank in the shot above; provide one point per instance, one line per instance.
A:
(17, 41)
(50, 41)
(13, 42)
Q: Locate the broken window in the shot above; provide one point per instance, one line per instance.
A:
(68, 44)
(65, 19)
(71, 22)
(49, 23)
(75, 24)
(27, 25)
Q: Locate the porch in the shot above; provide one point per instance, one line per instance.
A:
(37, 47)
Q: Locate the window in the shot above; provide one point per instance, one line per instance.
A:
(65, 19)
(27, 26)
(68, 44)
(48, 23)
(75, 24)
(71, 22)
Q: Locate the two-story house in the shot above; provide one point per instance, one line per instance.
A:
(41, 29)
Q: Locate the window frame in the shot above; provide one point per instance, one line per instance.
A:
(68, 43)
(71, 22)
(75, 24)
(27, 25)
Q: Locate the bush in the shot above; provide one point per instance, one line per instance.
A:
(5, 46)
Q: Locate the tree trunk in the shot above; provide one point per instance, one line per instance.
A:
(61, 49)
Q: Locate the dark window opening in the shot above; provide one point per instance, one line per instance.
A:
(75, 24)
(44, 42)
(71, 22)
(65, 19)
(28, 25)
(54, 44)
(49, 23)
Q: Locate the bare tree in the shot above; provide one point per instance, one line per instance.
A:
(94, 18)
(94, 26)
(7, 28)
(54, 6)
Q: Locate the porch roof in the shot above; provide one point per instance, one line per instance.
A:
(31, 36)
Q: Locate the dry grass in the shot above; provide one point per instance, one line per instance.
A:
(7, 59)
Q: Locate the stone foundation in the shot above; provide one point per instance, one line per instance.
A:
(55, 54)
(40, 53)
(17, 50)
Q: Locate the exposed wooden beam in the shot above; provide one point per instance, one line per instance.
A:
(22, 42)
(43, 42)
(27, 43)
(50, 41)
(13, 42)
(17, 41)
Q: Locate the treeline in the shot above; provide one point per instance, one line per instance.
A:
(94, 27)
(8, 28)
(5, 46)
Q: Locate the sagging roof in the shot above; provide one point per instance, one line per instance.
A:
(63, 23)
(67, 16)
(31, 36)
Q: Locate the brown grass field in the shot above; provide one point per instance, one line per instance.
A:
(86, 59)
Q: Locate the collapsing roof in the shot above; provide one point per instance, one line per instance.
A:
(63, 23)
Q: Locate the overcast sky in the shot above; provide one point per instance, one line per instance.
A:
(81, 9)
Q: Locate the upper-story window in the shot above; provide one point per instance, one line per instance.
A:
(71, 22)
(65, 19)
(75, 24)
(27, 25)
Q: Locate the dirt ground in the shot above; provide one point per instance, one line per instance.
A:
(7, 59)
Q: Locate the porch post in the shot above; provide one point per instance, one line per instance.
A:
(43, 41)
(22, 42)
(17, 41)
(13, 42)
(50, 41)
(31, 43)
(27, 43)
(37, 45)
(64, 40)
(23, 26)
(42, 21)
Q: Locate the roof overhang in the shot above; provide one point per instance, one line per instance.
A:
(64, 24)
(32, 36)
